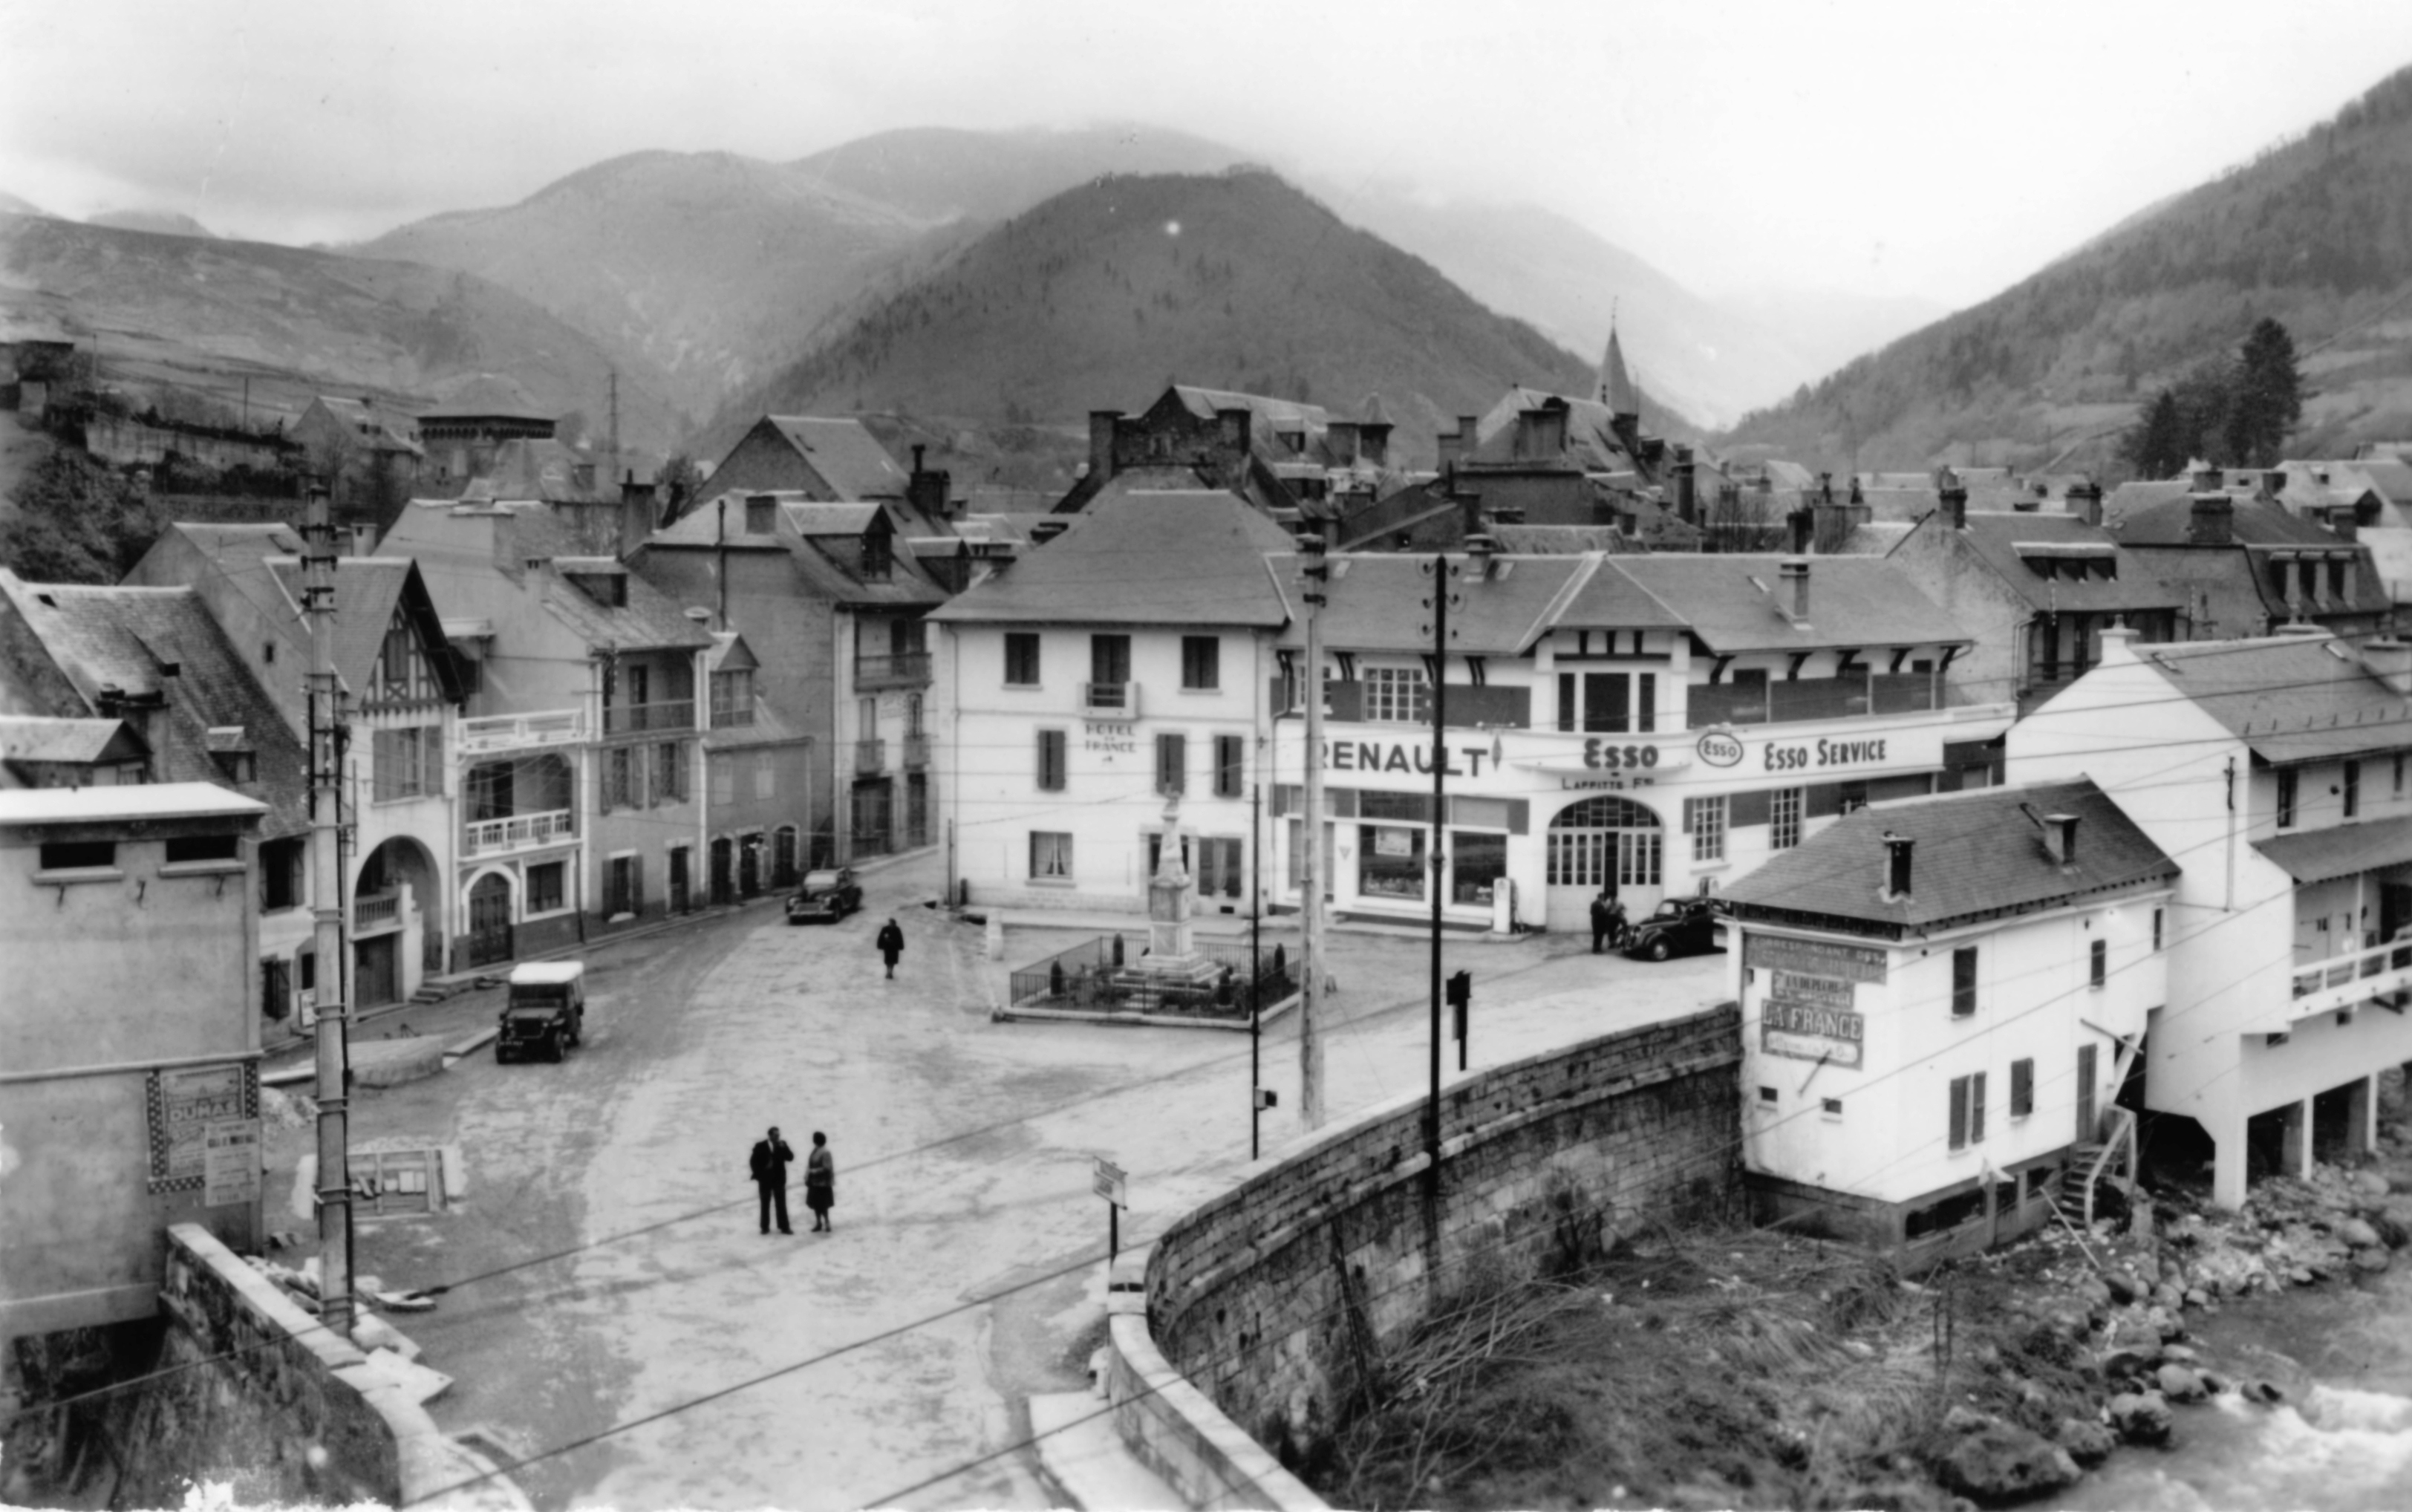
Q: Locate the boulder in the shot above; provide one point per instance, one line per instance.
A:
(2356, 1234)
(2370, 1183)
(2180, 1384)
(2372, 1260)
(2168, 1297)
(2300, 1275)
(1966, 1420)
(2179, 1354)
(2264, 1391)
(2215, 1383)
(2132, 1361)
(2196, 1296)
(2141, 1416)
(2088, 1443)
(2006, 1463)
(2125, 1289)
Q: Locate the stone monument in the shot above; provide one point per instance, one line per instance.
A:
(1173, 959)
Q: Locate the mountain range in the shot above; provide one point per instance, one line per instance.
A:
(2316, 233)
(264, 326)
(1102, 295)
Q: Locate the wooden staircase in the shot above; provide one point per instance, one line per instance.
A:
(2112, 1158)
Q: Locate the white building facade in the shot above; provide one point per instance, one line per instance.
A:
(2275, 772)
(1941, 1000)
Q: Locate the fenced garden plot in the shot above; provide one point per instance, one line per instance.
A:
(1106, 976)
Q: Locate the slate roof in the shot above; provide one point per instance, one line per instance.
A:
(130, 638)
(2136, 497)
(1976, 853)
(487, 395)
(810, 533)
(141, 800)
(1193, 557)
(2252, 521)
(81, 741)
(1376, 602)
(2291, 698)
(2341, 850)
(649, 620)
(2391, 476)
(1562, 541)
(1737, 603)
(847, 455)
(527, 468)
(1591, 445)
(2218, 591)
(2011, 544)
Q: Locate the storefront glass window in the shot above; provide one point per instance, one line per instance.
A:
(1390, 861)
(1477, 862)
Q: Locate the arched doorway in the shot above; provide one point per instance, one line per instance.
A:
(783, 858)
(724, 871)
(749, 866)
(490, 919)
(1604, 840)
(397, 911)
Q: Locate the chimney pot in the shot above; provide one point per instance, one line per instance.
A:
(2085, 500)
(1955, 503)
(1795, 571)
(1898, 850)
(2060, 837)
(2214, 520)
(1803, 523)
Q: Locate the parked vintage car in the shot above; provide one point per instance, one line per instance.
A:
(1680, 926)
(544, 1012)
(828, 892)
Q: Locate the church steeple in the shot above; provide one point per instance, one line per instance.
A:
(1616, 389)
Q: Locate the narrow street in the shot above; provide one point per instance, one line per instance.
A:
(866, 1360)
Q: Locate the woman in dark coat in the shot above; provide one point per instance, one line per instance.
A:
(891, 945)
(820, 1182)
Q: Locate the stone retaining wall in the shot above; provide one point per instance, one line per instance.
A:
(1264, 1307)
(255, 1395)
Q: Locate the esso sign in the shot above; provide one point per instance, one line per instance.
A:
(1719, 748)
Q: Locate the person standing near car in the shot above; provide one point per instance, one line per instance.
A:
(1603, 918)
(891, 945)
(820, 1182)
(770, 1168)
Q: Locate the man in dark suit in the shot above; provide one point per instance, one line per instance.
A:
(770, 1168)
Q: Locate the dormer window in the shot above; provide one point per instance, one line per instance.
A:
(878, 559)
(761, 516)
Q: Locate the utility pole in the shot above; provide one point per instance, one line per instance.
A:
(615, 442)
(1310, 1006)
(1439, 827)
(326, 909)
(1256, 969)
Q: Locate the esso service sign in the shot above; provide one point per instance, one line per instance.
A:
(1719, 748)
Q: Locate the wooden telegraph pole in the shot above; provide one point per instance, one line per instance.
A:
(1310, 1009)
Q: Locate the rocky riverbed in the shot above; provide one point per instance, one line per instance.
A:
(1730, 1368)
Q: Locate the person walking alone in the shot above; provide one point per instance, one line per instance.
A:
(770, 1168)
(820, 1182)
(891, 945)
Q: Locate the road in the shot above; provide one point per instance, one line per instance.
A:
(672, 1356)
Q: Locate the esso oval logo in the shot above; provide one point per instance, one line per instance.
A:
(1719, 749)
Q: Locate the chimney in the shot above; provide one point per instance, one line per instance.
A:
(1479, 550)
(1897, 854)
(2085, 500)
(2346, 526)
(1794, 576)
(1955, 503)
(2060, 837)
(2214, 522)
(1825, 487)
(1101, 443)
(363, 542)
(1687, 498)
(2118, 644)
(1803, 526)
(2202, 478)
(2389, 660)
(929, 489)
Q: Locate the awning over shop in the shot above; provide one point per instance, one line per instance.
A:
(2323, 855)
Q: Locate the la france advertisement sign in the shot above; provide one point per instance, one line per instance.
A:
(1808, 1011)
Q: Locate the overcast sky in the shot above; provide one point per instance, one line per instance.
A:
(1937, 149)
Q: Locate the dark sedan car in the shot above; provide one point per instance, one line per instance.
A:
(829, 893)
(1681, 927)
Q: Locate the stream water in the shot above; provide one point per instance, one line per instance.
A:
(2341, 1442)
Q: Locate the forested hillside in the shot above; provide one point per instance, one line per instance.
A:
(1101, 296)
(2317, 232)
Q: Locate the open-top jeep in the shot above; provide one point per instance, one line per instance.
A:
(545, 1012)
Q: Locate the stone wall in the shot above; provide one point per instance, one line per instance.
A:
(255, 1395)
(1272, 1299)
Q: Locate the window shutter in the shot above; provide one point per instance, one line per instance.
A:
(1976, 1108)
(1963, 981)
(382, 751)
(1566, 701)
(1959, 1112)
(1645, 712)
(1171, 762)
(2022, 1088)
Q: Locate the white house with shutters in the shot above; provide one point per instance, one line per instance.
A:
(1942, 1001)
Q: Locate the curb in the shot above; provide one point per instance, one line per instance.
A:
(1149, 1021)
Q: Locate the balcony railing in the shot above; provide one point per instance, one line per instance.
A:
(1830, 698)
(376, 911)
(1111, 700)
(917, 751)
(483, 837)
(906, 667)
(2347, 980)
(642, 718)
(869, 757)
(512, 732)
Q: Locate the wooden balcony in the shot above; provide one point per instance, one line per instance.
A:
(519, 732)
(667, 716)
(2350, 980)
(519, 831)
(907, 668)
(1110, 700)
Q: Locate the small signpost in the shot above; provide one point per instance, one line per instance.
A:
(1112, 1183)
